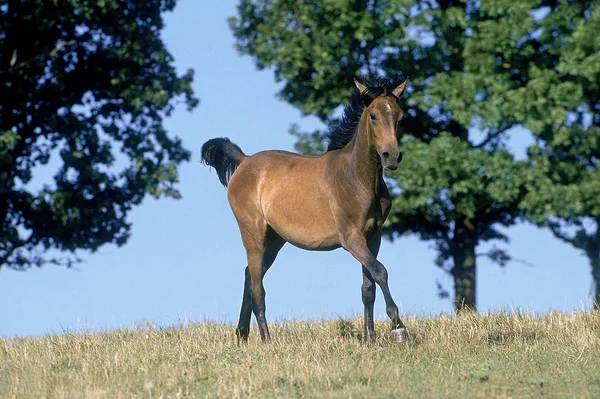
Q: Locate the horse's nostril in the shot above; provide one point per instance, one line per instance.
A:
(385, 154)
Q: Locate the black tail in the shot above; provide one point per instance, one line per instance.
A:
(222, 155)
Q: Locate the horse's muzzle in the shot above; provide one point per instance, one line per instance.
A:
(390, 160)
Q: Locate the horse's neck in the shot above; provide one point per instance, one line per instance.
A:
(364, 161)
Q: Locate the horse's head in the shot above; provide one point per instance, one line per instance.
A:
(382, 115)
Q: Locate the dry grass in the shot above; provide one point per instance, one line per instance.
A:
(466, 356)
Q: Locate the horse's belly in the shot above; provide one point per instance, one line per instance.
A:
(313, 242)
(305, 239)
(305, 227)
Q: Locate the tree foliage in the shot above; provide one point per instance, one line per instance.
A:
(565, 118)
(89, 84)
(540, 63)
(477, 68)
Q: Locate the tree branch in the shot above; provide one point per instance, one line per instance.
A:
(562, 236)
(494, 134)
(502, 258)
(51, 53)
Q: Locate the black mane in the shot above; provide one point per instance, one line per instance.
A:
(340, 134)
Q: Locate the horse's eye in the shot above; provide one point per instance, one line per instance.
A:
(373, 117)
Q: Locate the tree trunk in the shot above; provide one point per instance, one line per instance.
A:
(593, 254)
(594, 257)
(596, 277)
(465, 267)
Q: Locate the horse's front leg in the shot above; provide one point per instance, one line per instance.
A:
(368, 291)
(356, 244)
(368, 298)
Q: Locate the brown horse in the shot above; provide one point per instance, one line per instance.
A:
(337, 199)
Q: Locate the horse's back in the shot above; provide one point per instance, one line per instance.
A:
(273, 165)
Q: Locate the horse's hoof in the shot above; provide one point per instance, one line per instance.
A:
(399, 335)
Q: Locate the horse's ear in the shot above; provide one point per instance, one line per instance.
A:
(361, 87)
(400, 89)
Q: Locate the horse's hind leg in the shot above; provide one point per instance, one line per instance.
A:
(243, 329)
(262, 246)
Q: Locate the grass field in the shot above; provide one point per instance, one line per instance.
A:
(463, 356)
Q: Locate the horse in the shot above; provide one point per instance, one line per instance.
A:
(319, 203)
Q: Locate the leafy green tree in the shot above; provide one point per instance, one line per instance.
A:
(88, 83)
(539, 63)
(459, 184)
(562, 109)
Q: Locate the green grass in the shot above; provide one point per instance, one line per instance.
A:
(460, 357)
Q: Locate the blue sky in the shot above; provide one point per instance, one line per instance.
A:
(185, 261)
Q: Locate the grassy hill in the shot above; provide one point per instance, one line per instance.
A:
(464, 356)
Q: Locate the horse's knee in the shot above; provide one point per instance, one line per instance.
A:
(380, 274)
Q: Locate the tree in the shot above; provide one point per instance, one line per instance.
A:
(88, 83)
(566, 197)
(459, 183)
(540, 64)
